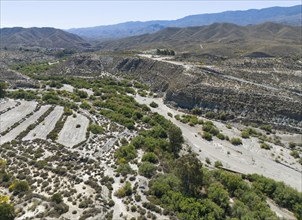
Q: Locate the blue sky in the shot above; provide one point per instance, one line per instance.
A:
(69, 14)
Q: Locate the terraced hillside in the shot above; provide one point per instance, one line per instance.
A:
(108, 148)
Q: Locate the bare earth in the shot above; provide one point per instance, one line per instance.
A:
(241, 158)
(12, 116)
(5, 104)
(44, 128)
(70, 135)
(17, 130)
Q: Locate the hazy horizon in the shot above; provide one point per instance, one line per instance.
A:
(78, 14)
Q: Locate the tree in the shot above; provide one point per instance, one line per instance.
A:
(219, 195)
(3, 87)
(189, 170)
(150, 157)
(7, 211)
(176, 139)
(147, 169)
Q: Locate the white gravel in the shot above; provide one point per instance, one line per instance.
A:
(44, 128)
(5, 104)
(240, 159)
(70, 135)
(23, 126)
(12, 116)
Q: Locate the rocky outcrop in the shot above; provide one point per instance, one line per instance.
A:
(253, 97)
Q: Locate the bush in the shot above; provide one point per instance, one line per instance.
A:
(294, 154)
(150, 157)
(127, 152)
(291, 145)
(267, 128)
(57, 198)
(153, 104)
(220, 136)
(82, 94)
(207, 136)
(19, 186)
(124, 169)
(147, 169)
(236, 141)
(218, 164)
(111, 203)
(7, 211)
(95, 129)
(245, 134)
(265, 146)
(126, 190)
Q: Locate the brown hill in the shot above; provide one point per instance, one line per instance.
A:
(40, 37)
(222, 39)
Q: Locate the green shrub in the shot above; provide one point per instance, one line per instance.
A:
(153, 104)
(207, 136)
(220, 136)
(245, 134)
(265, 146)
(57, 198)
(125, 190)
(236, 141)
(218, 164)
(127, 152)
(19, 186)
(147, 169)
(291, 145)
(267, 128)
(7, 211)
(124, 169)
(150, 157)
(95, 129)
(294, 154)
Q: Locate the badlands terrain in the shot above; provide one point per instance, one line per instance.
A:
(123, 136)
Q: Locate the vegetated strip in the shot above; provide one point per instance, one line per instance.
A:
(42, 130)
(14, 116)
(53, 135)
(7, 106)
(24, 125)
(20, 121)
(32, 126)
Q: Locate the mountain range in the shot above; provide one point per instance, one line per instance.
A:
(40, 37)
(218, 38)
(284, 15)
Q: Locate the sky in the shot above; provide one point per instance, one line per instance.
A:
(79, 13)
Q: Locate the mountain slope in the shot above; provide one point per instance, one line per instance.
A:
(284, 15)
(220, 38)
(40, 37)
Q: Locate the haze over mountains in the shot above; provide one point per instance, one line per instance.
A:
(284, 15)
(230, 34)
(220, 38)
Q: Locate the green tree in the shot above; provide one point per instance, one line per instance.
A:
(150, 157)
(147, 169)
(219, 195)
(176, 139)
(7, 211)
(3, 87)
(189, 170)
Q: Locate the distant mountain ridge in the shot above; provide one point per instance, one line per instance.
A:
(219, 38)
(40, 37)
(284, 15)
